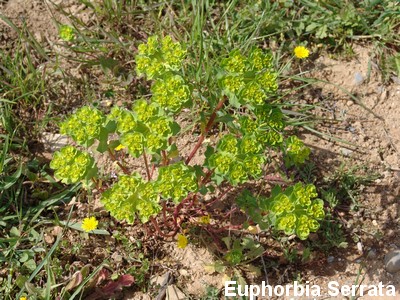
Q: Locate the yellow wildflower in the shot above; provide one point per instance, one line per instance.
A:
(89, 224)
(182, 241)
(119, 147)
(204, 219)
(301, 52)
(23, 298)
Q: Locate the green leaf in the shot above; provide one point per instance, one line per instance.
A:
(20, 281)
(9, 181)
(103, 140)
(312, 26)
(172, 151)
(322, 32)
(175, 128)
(14, 232)
(30, 265)
(108, 63)
(24, 257)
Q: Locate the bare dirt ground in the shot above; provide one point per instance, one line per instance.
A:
(369, 124)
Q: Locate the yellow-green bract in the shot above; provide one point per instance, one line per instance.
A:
(248, 80)
(157, 57)
(294, 211)
(84, 126)
(131, 196)
(72, 165)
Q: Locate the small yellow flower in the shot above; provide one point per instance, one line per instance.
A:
(89, 224)
(182, 241)
(119, 147)
(23, 298)
(301, 52)
(205, 219)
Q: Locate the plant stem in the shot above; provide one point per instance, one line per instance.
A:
(209, 125)
(178, 208)
(147, 166)
(165, 158)
(206, 178)
(157, 227)
(123, 168)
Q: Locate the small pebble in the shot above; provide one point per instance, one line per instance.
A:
(360, 247)
(371, 254)
(358, 78)
(330, 259)
(392, 261)
(346, 152)
(396, 79)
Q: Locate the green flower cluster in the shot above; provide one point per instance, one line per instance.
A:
(124, 119)
(144, 111)
(176, 181)
(72, 165)
(159, 60)
(295, 211)
(234, 256)
(145, 128)
(131, 196)
(296, 152)
(66, 33)
(248, 80)
(266, 127)
(236, 160)
(84, 126)
(171, 92)
(156, 58)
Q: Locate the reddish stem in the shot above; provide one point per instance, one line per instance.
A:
(165, 158)
(209, 125)
(152, 171)
(178, 208)
(206, 178)
(157, 227)
(220, 196)
(123, 168)
(147, 166)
